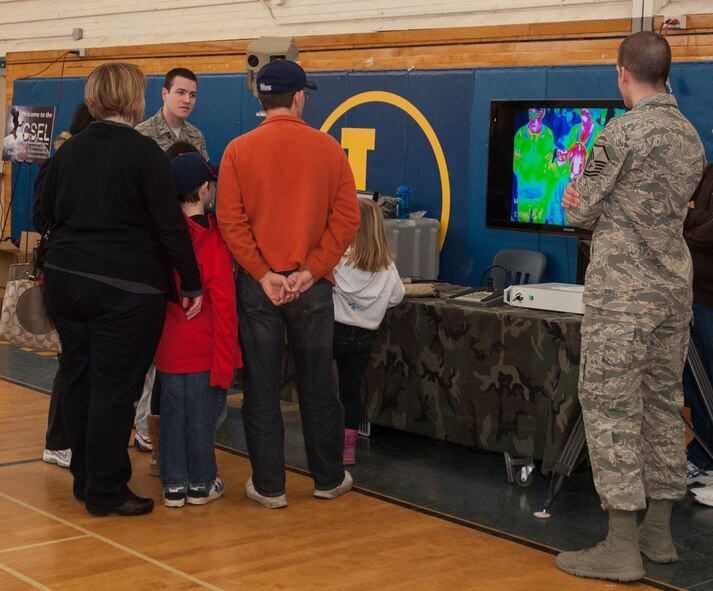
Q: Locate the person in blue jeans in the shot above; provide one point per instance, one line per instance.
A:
(196, 357)
(698, 232)
(287, 208)
(366, 284)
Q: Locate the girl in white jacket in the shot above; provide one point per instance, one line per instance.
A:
(366, 284)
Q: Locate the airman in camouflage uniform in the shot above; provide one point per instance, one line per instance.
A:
(634, 194)
(169, 125)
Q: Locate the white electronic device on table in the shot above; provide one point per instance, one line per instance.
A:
(558, 297)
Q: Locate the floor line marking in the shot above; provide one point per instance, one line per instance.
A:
(24, 578)
(24, 384)
(110, 542)
(360, 490)
(461, 521)
(20, 462)
(47, 543)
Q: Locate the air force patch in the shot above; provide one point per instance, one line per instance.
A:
(598, 159)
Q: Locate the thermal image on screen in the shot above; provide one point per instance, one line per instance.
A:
(549, 151)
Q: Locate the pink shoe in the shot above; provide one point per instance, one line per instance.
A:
(350, 439)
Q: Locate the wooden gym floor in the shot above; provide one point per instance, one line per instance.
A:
(363, 540)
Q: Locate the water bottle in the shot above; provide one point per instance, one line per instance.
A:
(403, 205)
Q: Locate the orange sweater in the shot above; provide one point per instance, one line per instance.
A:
(286, 199)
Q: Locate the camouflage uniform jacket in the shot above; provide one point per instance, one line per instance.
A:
(635, 189)
(157, 129)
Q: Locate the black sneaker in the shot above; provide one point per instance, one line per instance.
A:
(174, 498)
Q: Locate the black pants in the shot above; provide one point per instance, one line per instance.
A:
(352, 350)
(109, 337)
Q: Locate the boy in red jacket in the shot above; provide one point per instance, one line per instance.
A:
(195, 358)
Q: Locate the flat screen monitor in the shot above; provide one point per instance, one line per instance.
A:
(536, 148)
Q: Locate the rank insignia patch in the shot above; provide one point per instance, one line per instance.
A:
(598, 159)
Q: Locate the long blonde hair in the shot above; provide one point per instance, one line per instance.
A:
(370, 249)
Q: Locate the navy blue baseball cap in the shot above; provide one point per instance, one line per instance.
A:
(280, 76)
(189, 171)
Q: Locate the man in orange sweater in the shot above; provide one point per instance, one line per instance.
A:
(287, 208)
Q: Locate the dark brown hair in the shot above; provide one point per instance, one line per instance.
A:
(182, 72)
(178, 148)
(192, 197)
(276, 101)
(647, 56)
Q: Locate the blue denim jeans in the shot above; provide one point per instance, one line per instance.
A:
(222, 412)
(352, 351)
(310, 322)
(189, 408)
(702, 336)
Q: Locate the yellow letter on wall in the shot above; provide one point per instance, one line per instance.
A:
(357, 142)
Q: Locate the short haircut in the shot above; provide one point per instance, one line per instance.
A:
(370, 250)
(182, 72)
(178, 148)
(115, 89)
(277, 101)
(192, 197)
(647, 56)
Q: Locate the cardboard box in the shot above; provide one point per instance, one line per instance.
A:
(12, 255)
(8, 256)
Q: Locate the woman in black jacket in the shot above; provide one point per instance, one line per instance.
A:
(116, 233)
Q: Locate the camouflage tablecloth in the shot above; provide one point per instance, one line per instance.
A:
(502, 379)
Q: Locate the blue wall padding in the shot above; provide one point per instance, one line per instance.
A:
(456, 103)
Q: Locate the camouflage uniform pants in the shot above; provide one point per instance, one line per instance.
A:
(630, 390)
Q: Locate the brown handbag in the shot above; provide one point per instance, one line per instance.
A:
(24, 320)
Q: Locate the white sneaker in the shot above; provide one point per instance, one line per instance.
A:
(340, 489)
(61, 457)
(142, 442)
(697, 476)
(269, 502)
(196, 497)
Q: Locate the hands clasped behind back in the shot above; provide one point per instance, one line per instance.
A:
(278, 289)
